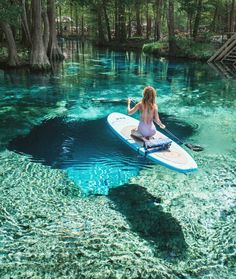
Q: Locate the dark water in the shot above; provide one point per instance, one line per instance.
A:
(92, 155)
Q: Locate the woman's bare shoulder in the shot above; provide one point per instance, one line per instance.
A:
(139, 104)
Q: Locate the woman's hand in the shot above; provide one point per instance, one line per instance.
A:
(129, 101)
(162, 126)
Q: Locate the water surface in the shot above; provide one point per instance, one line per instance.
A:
(149, 221)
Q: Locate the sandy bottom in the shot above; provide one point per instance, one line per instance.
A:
(161, 225)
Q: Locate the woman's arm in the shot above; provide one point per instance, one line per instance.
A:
(157, 118)
(134, 109)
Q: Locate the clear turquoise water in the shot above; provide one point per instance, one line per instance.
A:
(159, 224)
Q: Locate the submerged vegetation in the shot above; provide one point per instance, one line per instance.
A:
(30, 29)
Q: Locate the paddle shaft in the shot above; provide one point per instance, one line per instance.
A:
(170, 133)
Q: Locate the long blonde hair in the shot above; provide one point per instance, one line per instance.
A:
(149, 98)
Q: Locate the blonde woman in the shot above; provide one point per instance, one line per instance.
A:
(148, 113)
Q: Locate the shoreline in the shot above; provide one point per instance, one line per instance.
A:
(130, 45)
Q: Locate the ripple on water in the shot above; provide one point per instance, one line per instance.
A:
(94, 161)
(159, 225)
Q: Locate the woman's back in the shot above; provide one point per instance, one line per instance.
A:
(147, 113)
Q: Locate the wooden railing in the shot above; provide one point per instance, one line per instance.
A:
(225, 70)
(225, 50)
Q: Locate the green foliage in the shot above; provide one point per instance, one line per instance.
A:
(187, 48)
(192, 49)
(137, 38)
(23, 54)
(10, 12)
(155, 47)
(189, 6)
(3, 53)
(121, 15)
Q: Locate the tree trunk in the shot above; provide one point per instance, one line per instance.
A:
(107, 21)
(121, 21)
(116, 19)
(71, 14)
(1, 37)
(13, 60)
(45, 30)
(101, 37)
(228, 10)
(213, 24)
(171, 28)
(26, 24)
(60, 18)
(54, 52)
(82, 25)
(28, 8)
(197, 19)
(138, 18)
(39, 60)
(147, 21)
(129, 24)
(190, 25)
(157, 35)
(76, 21)
(232, 16)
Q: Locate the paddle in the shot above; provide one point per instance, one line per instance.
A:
(194, 147)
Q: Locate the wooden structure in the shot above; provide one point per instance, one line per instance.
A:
(225, 70)
(227, 53)
(224, 60)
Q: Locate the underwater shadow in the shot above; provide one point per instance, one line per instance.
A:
(146, 217)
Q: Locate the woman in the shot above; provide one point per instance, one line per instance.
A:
(149, 113)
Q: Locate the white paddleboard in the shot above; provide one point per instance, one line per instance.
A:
(175, 158)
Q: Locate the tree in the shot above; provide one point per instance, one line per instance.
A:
(197, 19)
(148, 21)
(190, 7)
(232, 24)
(171, 28)
(138, 18)
(54, 52)
(106, 20)
(13, 59)
(46, 31)
(38, 59)
(158, 8)
(25, 24)
(121, 21)
(9, 13)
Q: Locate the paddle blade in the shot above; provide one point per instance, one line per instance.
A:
(194, 147)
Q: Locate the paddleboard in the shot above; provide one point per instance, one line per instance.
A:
(175, 158)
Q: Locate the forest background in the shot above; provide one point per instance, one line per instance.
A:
(31, 30)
